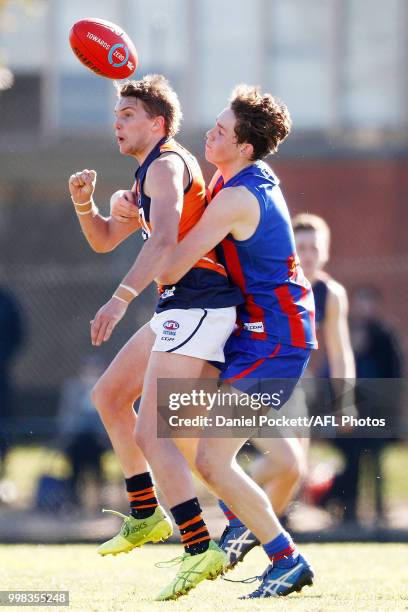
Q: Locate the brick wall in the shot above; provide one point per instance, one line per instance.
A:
(365, 203)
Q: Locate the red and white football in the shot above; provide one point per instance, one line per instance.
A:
(103, 47)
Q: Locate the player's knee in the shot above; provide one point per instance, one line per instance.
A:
(96, 395)
(302, 468)
(294, 467)
(294, 474)
(104, 398)
(206, 466)
(291, 457)
(101, 397)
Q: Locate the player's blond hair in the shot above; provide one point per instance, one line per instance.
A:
(309, 222)
(158, 98)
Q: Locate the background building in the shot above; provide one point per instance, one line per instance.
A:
(340, 65)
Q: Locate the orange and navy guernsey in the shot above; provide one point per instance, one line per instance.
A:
(206, 285)
(279, 304)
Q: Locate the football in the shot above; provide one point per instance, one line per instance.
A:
(104, 48)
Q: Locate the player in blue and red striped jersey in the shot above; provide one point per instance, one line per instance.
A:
(249, 218)
(283, 463)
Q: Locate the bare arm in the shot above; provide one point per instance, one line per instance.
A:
(232, 211)
(336, 333)
(164, 185)
(339, 351)
(102, 233)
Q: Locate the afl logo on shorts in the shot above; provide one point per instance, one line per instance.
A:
(171, 325)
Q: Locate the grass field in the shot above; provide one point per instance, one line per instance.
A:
(348, 577)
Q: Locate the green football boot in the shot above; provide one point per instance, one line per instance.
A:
(194, 569)
(136, 532)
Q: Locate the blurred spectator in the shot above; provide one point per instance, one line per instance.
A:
(378, 355)
(375, 345)
(82, 435)
(11, 336)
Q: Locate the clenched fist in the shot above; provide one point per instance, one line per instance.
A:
(82, 186)
(122, 206)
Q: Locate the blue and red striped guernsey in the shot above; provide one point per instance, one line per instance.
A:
(279, 300)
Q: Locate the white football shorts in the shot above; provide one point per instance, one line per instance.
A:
(196, 332)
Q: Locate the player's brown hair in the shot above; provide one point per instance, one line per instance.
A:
(261, 120)
(308, 222)
(158, 99)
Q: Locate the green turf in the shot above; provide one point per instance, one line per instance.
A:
(349, 577)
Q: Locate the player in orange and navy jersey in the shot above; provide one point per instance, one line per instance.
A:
(205, 284)
(194, 318)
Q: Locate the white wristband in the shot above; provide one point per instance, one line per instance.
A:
(130, 289)
(82, 204)
(119, 298)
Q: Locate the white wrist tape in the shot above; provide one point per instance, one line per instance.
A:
(130, 289)
(119, 298)
(82, 203)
